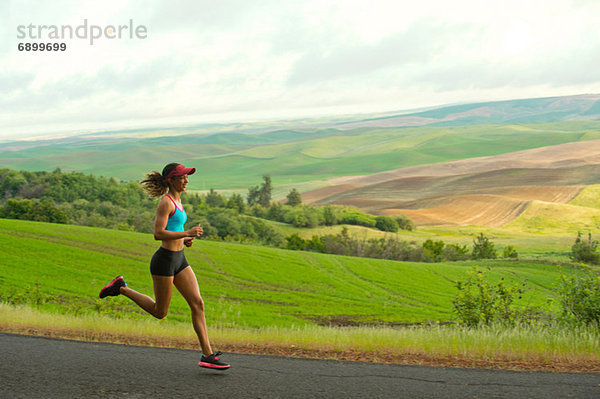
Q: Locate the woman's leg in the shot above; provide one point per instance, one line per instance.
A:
(186, 283)
(163, 289)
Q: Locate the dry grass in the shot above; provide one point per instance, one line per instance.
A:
(514, 349)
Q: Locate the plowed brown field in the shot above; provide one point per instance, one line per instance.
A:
(487, 191)
(479, 209)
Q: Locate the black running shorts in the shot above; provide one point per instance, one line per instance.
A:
(167, 263)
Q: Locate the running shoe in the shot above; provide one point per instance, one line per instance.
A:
(112, 289)
(213, 362)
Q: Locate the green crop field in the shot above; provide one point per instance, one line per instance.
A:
(237, 161)
(62, 268)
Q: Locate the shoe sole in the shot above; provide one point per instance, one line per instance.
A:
(213, 366)
(108, 286)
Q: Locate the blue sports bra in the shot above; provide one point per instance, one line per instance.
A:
(177, 219)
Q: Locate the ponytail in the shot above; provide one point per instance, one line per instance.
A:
(157, 184)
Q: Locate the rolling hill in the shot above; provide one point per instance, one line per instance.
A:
(309, 152)
(479, 164)
(486, 191)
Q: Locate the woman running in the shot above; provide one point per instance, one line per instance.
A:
(168, 265)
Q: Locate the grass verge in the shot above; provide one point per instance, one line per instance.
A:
(547, 349)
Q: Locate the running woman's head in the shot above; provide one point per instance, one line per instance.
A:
(158, 184)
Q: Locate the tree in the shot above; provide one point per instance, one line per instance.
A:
(10, 183)
(214, 199)
(264, 194)
(294, 198)
(253, 194)
(261, 195)
(329, 216)
(275, 212)
(483, 248)
(236, 202)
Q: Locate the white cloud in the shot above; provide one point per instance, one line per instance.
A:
(206, 60)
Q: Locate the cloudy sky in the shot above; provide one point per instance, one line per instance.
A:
(220, 61)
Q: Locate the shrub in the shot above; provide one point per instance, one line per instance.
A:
(386, 223)
(315, 244)
(454, 252)
(510, 252)
(434, 250)
(39, 210)
(359, 219)
(585, 251)
(579, 297)
(404, 223)
(295, 242)
(478, 302)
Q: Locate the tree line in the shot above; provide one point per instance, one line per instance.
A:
(77, 198)
(87, 200)
(392, 248)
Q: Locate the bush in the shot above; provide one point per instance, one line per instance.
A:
(454, 252)
(478, 302)
(359, 219)
(404, 223)
(39, 210)
(580, 297)
(434, 250)
(585, 251)
(315, 244)
(510, 253)
(295, 242)
(386, 223)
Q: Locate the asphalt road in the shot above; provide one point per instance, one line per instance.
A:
(33, 367)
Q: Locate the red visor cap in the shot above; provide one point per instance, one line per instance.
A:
(180, 170)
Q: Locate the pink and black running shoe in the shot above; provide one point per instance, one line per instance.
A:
(213, 362)
(112, 288)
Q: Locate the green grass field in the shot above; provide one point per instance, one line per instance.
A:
(62, 268)
(266, 300)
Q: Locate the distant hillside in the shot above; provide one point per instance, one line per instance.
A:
(304, 154)
(536, 110)
(238, 161)
(489, 191)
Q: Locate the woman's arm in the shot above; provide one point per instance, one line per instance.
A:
(165, 207)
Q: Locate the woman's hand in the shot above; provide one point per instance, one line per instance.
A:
(188, 241)
(195, 231)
